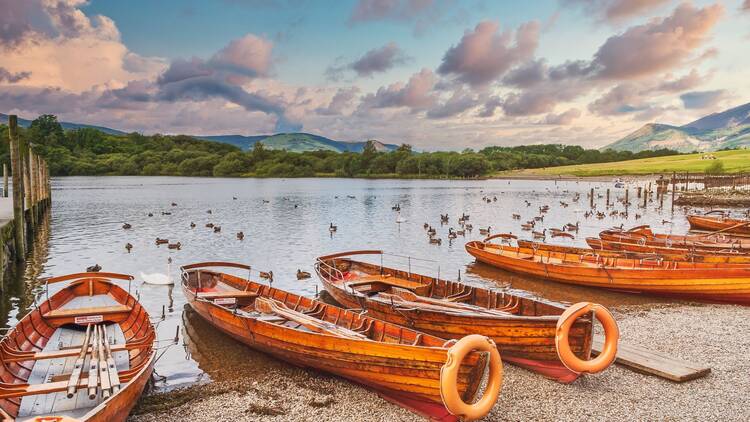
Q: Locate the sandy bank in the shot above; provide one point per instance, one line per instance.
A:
(716, 335)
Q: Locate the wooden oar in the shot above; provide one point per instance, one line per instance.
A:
(271, 306)
(103, 367)
(114, 377)
(93, 367)
(78, 368)
(415, 301)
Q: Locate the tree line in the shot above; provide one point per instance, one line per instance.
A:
(88, 151)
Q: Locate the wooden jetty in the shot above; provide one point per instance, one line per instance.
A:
(21, 213)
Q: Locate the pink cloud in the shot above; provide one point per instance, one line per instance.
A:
(658, 45)
(485, 54)
(249, 55)
(616, 10)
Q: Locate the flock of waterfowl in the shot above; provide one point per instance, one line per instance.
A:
(420, 341)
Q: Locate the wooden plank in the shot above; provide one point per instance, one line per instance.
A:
(653, 363)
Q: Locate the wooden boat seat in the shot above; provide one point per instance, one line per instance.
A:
(226, 294)
(97, 310)
(45, 375)
(381, 283)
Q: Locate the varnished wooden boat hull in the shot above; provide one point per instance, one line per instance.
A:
(702, 281)
(713, 223)
(526, 339)
(34, 331)
(690, 242)
(623, 250)
(408, 375)
(672, 253)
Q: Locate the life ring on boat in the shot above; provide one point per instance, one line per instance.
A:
(611, 338)
(449, 378)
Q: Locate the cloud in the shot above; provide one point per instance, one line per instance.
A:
(373, 10)
(6, 76)
(689, 81)
(702, 99)
(564, 118)
(416, 93)
(615, 11)
(340, 101)
(377, 60)
(459, 102)
(527, 75)
(485, 54)
(745, 6)
(622, 99)
(656, 46)
(15, 22)
(489, 107)
(249, 56)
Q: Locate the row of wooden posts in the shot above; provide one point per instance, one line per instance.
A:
(643, 194)
(31, 187)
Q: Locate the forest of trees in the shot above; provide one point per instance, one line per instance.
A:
(92, 152)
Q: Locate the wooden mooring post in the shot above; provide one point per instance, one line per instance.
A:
(5, 180)
(591, 198)
(627, 194)
(607, 197)
(15, 163)
(673, 189)
(31, 190)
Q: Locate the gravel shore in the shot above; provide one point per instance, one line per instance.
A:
(715, 335)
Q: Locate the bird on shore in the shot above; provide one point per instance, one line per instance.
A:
(240, 235)
(128, 246)
(94, 268)
(302, 275)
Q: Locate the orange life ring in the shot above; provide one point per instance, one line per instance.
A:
(449, 378)
(611, 338)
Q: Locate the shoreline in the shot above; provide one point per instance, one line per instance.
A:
(687, 331)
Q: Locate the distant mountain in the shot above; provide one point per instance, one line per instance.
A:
(296, 142)
(65, 125)
(728, 129)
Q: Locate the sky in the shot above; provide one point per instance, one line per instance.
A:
(436, 74)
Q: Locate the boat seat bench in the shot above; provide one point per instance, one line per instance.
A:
(98, 310)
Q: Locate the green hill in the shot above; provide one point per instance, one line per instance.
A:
(733, 162)
(728, 129)
(295, 142)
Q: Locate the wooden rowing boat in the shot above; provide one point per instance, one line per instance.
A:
(708, 281)
(401, 364)
(670, 253)
(722, 223)
(621, 250)
(84, 354)
(522, 326)
(644, 236)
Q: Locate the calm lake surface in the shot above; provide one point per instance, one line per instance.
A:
(285, 222)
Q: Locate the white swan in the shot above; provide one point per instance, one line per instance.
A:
(158, 278)
(400, 219)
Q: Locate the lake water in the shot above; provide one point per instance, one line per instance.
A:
(285, 222)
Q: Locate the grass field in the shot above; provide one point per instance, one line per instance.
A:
(734, 162)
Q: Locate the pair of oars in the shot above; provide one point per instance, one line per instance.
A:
(102, 369)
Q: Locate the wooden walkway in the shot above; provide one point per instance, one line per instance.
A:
(654, 363)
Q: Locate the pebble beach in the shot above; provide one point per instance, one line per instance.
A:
(713, 335)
